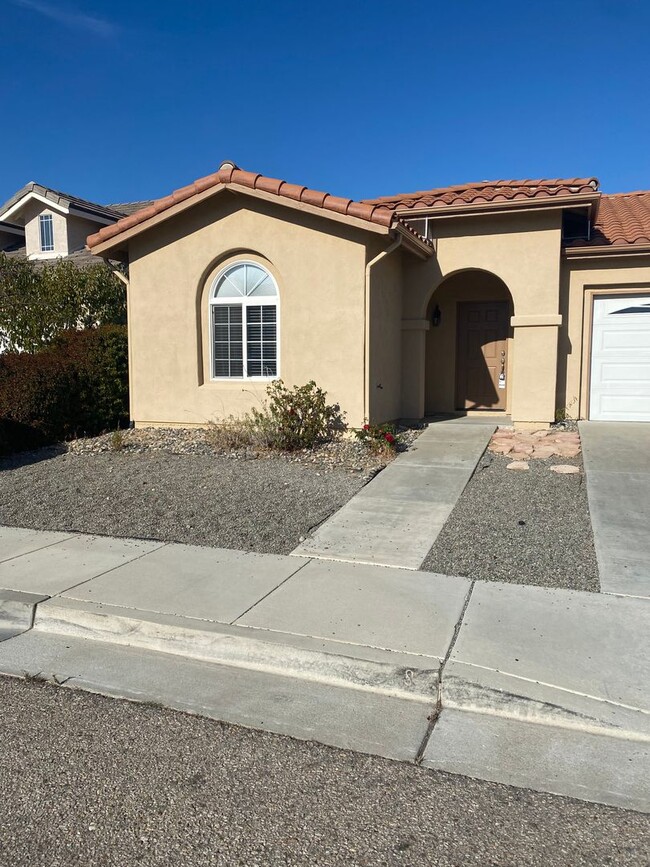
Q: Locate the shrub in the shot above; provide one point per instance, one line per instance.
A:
(38, 301)
(379, 437)
(233, 433)
(78, 385)
(290, 419)
(296, 418)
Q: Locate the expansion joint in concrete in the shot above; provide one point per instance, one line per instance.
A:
(266, 595)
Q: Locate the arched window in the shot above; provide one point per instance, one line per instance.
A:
(244, 323)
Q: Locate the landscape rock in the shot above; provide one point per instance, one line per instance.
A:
(517, 465)
(567, 469)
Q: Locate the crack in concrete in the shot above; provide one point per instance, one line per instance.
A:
(437, 710)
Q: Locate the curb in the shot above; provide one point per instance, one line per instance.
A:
(17, 612)
(401, 675)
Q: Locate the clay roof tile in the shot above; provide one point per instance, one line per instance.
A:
(336, 203)
(292, 191)
(269, 185)
(313, 197)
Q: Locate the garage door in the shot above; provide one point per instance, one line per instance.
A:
(620, 359)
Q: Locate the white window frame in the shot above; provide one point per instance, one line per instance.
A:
(42, 218)
(244, 302)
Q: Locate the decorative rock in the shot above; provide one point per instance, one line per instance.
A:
(544, 451)
(523, 450)
(567, 450)
(517, 465)
(501, 448)
(564, 469)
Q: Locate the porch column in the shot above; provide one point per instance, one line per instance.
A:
(534, 372)
(413, 366)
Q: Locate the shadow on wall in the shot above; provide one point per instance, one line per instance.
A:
(467, 352)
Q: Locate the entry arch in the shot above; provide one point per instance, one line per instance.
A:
(469, 344)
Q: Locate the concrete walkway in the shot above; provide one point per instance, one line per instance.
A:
(547, 689)
(617, 466)
(395, 519)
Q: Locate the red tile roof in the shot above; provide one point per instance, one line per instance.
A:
(228, 175)
(488, 192)
(623, 220)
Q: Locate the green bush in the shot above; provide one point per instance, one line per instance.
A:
(38, 301)
(76, 386)
(296, 418)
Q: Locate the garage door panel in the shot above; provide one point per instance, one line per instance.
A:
(619, 373)
(626, 339)
(620, 359)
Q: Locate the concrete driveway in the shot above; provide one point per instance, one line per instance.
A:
(617, 466)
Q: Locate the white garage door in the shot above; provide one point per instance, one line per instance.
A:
(620, 359)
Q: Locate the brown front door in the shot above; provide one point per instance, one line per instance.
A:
(482, 354)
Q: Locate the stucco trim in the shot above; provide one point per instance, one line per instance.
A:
(611, 251)
(536, 319)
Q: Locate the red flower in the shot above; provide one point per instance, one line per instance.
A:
(366, 427)
(389, 438)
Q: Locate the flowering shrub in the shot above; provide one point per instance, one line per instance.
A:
(296, 418)
(379, 437)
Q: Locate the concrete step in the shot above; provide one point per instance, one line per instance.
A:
(404, 675)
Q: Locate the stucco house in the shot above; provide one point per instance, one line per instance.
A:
(40, 223)
(514, 298)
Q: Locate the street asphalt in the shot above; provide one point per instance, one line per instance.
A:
(94, 781)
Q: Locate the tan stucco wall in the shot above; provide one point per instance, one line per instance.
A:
(320, 275)
(523, 251)
(581, 280)
(78, 230)
(385, 338)
(32, 211)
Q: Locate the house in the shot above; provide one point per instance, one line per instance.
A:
(511, 298)
(41, 223)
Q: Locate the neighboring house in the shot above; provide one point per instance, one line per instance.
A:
(521, 298)
(40, 223)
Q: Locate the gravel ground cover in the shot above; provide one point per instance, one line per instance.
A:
(530, 527)
(92, 781)
(265, 505)
(173, 485)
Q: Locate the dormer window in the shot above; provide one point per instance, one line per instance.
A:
(46, 231)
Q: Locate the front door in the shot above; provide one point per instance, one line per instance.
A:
(482, 354)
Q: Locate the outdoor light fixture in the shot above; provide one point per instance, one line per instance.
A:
(436, 316)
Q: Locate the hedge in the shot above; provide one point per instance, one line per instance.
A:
(76, 386)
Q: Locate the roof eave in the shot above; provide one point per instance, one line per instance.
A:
(598, 252)
(413, 242)
(532, 204)
(117, 241)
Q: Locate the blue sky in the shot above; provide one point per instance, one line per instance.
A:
(115, 100)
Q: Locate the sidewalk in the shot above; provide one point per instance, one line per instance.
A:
(617, 466)
(395, 519)
(547, 689)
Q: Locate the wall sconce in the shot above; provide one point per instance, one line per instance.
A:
(436, 316)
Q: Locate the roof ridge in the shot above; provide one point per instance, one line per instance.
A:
(230, 174)
(480, 185)
(630, 193)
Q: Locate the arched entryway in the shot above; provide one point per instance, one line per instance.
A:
(468, 345)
